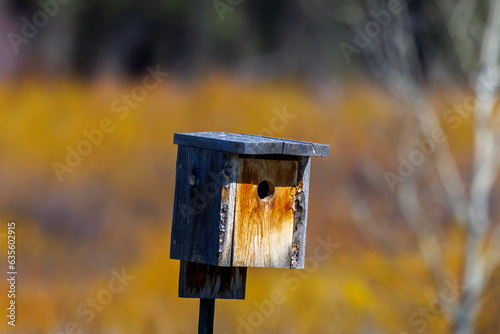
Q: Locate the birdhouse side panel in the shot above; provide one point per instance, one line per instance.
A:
(226, 225)
(300, 208)
(196, 224)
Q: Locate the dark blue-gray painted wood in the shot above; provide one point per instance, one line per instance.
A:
(196, 219)
(250, 144)
(198, 280)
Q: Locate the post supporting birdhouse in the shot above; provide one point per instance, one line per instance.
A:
(207, 311)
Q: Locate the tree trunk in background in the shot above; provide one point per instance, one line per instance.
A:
(57, 40)
(198, 39)
(10, 61)
(398, 56)
(485, 171)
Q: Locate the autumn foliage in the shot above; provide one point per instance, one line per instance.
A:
(112, 210)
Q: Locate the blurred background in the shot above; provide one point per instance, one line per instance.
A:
(405, 93)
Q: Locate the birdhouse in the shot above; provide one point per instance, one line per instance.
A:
(240, 201)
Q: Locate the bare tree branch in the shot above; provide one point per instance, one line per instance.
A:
(395, 60)
(493, 255)
(395, 72)
(459, 16)
(484, 174)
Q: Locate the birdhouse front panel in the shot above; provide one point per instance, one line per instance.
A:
(264, 216)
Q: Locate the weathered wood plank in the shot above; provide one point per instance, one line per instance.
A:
(305, 149)
(227, 212)
(263, 214)
(250, 144)
(229, 142)
(300, 207)
(197, 221)
(198, 280)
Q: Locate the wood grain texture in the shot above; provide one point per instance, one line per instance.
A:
(196, 220)
(300, 207)
(250, 144)
(227, 213)
(198, 280)
(263, 228)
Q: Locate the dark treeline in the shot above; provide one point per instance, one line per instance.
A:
(292, 39)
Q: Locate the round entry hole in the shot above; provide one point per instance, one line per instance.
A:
(265, 190)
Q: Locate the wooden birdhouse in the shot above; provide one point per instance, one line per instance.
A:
(241, 200)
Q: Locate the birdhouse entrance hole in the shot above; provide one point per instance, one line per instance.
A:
(265, 190)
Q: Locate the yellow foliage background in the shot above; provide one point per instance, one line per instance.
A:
(114, 210)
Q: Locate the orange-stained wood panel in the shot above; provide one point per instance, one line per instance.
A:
(263, 227)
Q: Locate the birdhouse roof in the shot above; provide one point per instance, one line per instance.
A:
(250, 144)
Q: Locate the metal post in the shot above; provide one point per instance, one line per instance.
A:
(207, 310)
